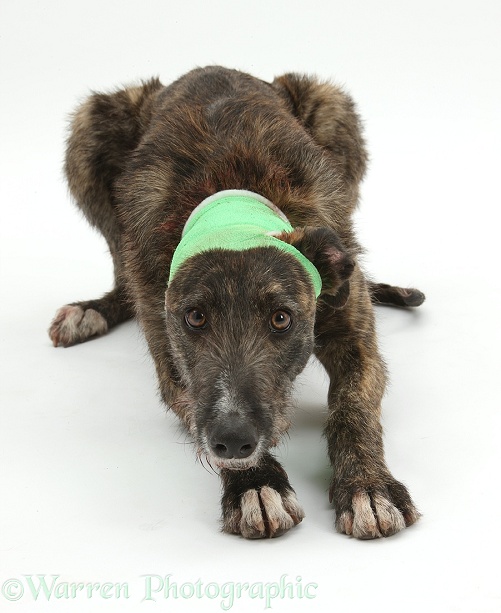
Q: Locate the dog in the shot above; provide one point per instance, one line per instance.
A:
(226, 202)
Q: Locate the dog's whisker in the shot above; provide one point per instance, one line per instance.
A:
(212, 468)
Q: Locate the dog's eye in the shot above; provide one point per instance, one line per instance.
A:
(280, 321)
(195, 319)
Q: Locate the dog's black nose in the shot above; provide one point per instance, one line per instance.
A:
(233, 438)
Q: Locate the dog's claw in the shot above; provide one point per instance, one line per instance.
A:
(264, 514)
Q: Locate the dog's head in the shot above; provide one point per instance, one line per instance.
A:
(241, 328)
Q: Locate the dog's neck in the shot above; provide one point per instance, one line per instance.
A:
(237, 220)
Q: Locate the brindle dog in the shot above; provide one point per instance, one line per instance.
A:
(234, 328)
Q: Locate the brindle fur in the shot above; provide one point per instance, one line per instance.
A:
(138, 162)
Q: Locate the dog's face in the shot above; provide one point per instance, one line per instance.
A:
(241, 328)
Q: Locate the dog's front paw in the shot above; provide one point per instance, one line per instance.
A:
(368, 513)
(73, 325)
(263, 513)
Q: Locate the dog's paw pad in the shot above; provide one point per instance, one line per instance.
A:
(264, 514)
(73, 325)
(374, 515)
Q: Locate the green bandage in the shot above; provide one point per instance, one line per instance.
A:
(237, 220)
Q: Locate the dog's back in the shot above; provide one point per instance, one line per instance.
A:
(215, 129)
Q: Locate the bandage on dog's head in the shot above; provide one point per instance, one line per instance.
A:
(238, 220)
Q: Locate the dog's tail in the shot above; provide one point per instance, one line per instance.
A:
(382, 293)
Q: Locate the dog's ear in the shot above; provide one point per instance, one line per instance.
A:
(323, 247)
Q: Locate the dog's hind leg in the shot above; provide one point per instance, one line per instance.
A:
(104, 131)
(391, 295)
(330, 116)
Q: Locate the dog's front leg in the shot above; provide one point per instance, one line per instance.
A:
(368, 501)
(259, 502)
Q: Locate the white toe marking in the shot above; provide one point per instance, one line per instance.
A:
(364, 522)
(69, 318)
(344, 522)
(293, 507)
(252, 518)
(280, 513)
(389, 517)
(275, 512)
(92, 324)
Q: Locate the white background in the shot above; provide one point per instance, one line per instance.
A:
(98, 484)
